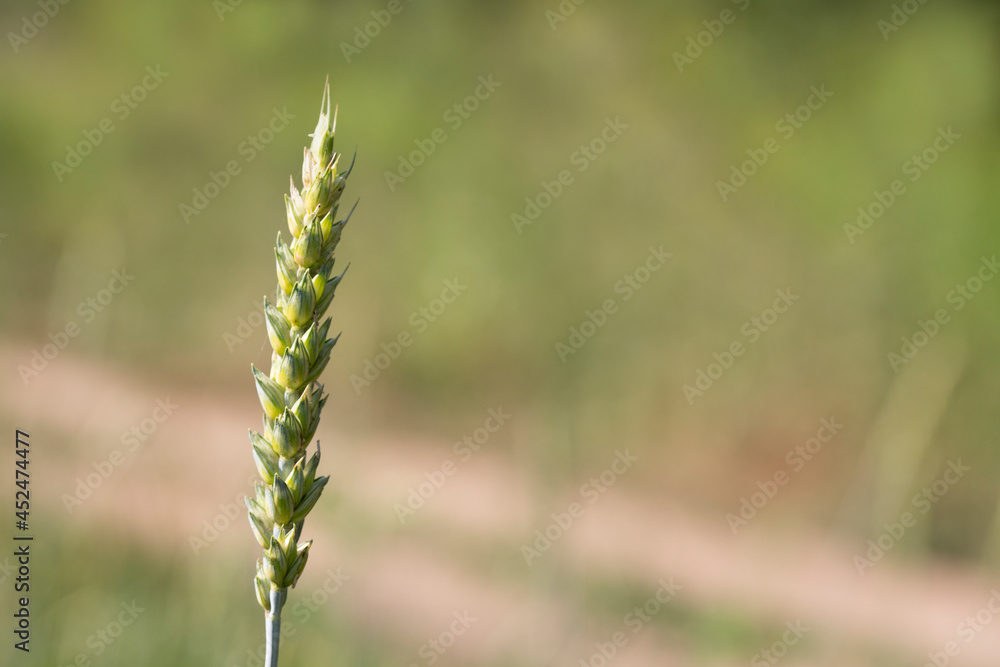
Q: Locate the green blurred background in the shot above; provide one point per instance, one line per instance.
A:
(185, 327)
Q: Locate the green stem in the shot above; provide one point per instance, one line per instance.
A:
(272, 626)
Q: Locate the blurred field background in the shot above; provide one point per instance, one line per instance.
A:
(184, 330)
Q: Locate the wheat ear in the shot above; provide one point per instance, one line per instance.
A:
(290, 394)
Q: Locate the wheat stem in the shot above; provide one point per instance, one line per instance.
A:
(272, 626)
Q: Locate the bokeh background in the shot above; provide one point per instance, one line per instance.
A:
(162, 530)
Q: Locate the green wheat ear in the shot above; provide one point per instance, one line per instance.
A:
(291, 394)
